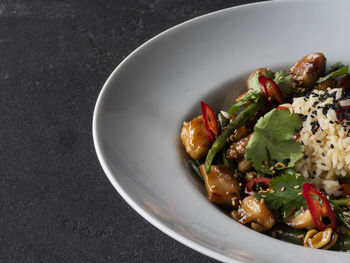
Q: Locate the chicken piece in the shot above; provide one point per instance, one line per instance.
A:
(331, 83)
(255, 212)
(221, 184)
(302, 220)
(308, 70)
(195, 139)
(237, 149)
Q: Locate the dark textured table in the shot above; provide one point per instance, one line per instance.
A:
(56, 203)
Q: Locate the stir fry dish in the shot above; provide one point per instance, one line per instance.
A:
(278, 160)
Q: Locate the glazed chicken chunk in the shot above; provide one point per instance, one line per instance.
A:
(221, 184)
(194, 138)
(308, 70)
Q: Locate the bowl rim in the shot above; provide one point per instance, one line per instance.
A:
(97, 144)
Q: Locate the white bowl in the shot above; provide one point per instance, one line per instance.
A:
(142, 105)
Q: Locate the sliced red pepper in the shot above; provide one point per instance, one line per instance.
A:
(210, 122)
(270, 89)
(319, 207)
(345, 82)
(249, 186)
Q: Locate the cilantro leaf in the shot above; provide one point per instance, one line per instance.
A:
(272, 141)
(337, 66)
(284, 196)
(342, 71)
(252, 95)
(253, 83)
(283, 80)
(253, 92)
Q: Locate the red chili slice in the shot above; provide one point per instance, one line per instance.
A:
(249, 186)
(270, 89)
(319, 207)
(210, 122)
(344, 82)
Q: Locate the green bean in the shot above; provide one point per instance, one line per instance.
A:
(228, 163)
(223, 122)
(342, 201)
(343, 243)
(291, 235)
(344, 218)
(195, 167)
(238, 122)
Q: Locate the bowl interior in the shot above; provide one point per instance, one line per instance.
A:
(140, 110)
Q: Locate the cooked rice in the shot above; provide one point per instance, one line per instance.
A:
(327, 142)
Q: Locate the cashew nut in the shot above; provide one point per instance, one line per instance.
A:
(320, 239)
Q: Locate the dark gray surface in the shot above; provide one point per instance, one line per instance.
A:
(56, 203)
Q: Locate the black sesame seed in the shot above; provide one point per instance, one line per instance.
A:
(331, 122)
(314, 172)
(305, 156)
(332, 146)
(314, 112)
(323, 155)
(286, 161)
(318, 141)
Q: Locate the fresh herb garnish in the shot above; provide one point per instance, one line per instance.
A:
(285, 195)
(281, 78)
(252, 95)
(339, 72)
(336, 66)
(271, 143)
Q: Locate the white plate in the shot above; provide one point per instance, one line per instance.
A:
(141, 107)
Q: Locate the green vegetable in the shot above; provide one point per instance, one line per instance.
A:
(283, 80)
(238, 122)
(272, 141)
(291, 235)
(295, 236)
(341, 214)
(334, 74)
(343, 243)
(336, 66)
(341, 201)
(252, 95)
(223, 122)
(228, 163)
(195, 167)
(284, 197)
